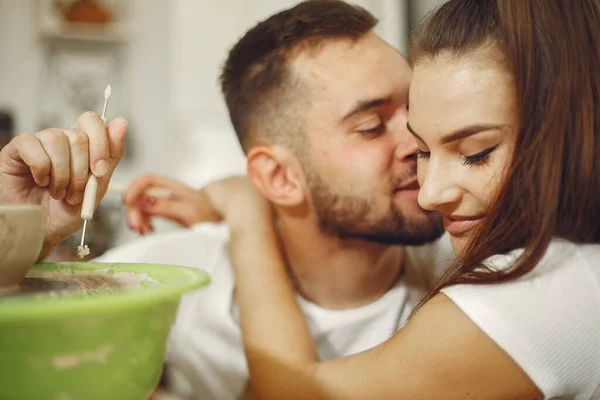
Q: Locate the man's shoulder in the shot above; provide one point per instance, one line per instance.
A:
(435, 256)
(426, 263)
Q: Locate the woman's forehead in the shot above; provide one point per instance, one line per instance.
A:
(448, 93)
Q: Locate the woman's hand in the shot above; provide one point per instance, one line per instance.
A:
(183, 204)
(238, 202)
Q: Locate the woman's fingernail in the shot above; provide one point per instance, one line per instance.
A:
(148, 201)
(61, 194)
(101, 168)
(45, 181)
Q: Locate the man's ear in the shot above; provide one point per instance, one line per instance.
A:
(275, 171)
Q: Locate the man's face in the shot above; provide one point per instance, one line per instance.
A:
(359, 161)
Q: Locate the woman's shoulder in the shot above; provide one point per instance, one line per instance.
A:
(548, 320)
(561, 257)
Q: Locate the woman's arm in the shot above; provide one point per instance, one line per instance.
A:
(441, 353)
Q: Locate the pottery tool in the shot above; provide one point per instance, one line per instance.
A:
(91, 188)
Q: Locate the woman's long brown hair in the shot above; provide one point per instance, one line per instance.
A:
(552, 185)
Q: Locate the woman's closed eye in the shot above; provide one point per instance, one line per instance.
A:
(479, 158)
(475, 159)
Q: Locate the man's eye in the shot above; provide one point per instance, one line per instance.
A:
(373, 131)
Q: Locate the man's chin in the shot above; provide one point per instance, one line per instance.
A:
(407, 203)
(415, 233)
(387, 240)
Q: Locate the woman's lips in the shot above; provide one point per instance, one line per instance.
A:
(458, 226)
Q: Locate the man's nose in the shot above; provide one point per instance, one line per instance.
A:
(406, 145)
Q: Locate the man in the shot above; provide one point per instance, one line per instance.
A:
(318, 102)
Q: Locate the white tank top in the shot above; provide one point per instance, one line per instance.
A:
(548, 321)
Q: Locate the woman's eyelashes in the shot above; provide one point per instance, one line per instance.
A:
(479, 158)
(422, 154)
(476, 159)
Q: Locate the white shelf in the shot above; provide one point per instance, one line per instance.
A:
(53, 26)
(84, 32)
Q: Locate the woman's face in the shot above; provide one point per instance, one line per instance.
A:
(461, 114)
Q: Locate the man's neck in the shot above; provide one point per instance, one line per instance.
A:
(337, 273)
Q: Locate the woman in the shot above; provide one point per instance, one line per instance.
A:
(505, 108)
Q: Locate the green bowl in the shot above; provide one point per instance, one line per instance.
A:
(86, 347)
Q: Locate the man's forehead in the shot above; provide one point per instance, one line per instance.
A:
(339, 60)
(343, 72)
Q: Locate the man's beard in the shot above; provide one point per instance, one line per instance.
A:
(351, 217)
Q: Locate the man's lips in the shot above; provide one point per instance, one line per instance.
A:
(409, 188)
(412, 184)
(459, 225)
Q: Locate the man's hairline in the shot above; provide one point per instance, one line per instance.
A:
(290, 60)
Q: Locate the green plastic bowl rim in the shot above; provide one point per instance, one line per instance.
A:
(28, 307)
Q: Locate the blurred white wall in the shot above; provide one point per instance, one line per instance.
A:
(170, 65)
(202, 33)
(169, 68)
(143, 93)
(21, 59)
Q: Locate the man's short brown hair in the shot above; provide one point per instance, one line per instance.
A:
(257, 83)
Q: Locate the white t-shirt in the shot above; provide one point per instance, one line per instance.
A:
(548, 321)
(205, 345)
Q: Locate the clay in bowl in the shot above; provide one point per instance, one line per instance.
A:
(21, 239)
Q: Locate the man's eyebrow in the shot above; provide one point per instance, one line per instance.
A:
(364, 105)
(461, 133)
